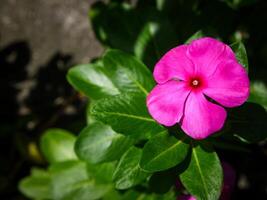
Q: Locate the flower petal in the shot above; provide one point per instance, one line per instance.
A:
(201, 117)
(173, 65)
(229, 85)
(206, 53)
(166, 102)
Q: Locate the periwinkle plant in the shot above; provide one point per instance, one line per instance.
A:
(131, 147)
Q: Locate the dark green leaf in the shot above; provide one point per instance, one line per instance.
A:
(235, 4)
(154, 41)
(203, 177)
(141, 31)
(115, 25)
(241, 54)
(131, 195)
(99, 143)
(112, 195)
(128, 173)
(164, 181)
(58, 145)
(230, 145)
(249, 122)
(36, 186)
(70, 180)
(163, 152)
(126, 114)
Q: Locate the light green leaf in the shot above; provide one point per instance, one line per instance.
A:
(258, 93)
(163, 152)
(90, 80)
(199, 34)
(99, 143)
(128, 173)
(126, 114)
(127, 73)
(119, 73)
(58, 145)
(70, 181)
(37, 186)
(203, 177)
(241, 53)
(102, 172)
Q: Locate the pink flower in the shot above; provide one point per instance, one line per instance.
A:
(186, 76)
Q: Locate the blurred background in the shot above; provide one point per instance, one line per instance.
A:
(41, 39)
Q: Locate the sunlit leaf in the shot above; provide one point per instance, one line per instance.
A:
(128, 173)
(58, 145)
(203, 177)
(98, 142)
(163, 152)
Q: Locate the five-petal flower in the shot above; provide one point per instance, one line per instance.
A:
(195, 83)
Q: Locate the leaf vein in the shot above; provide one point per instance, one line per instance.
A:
(129, 116)
(200, 172)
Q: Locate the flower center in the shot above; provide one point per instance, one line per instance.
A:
(195, 83)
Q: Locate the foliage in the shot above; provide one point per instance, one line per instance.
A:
(122, 150)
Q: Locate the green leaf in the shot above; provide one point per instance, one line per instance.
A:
(164, 181)
(119, 73)
(58, 145)
(229, 144)
(131, 195)
(115, 25)
(249, 122)
(99, 143)
(197, 35)
(36, 186)
(153, 40)
(91, 80)
(258, 93)
(112, 195)
(167, 196)
(70, 180)
(235, 4)
(65, 175)
(203, 177)
(128, 173)
(241, 54)
(126, 114)
(127, 72)
(102, 172)
(163, 152)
